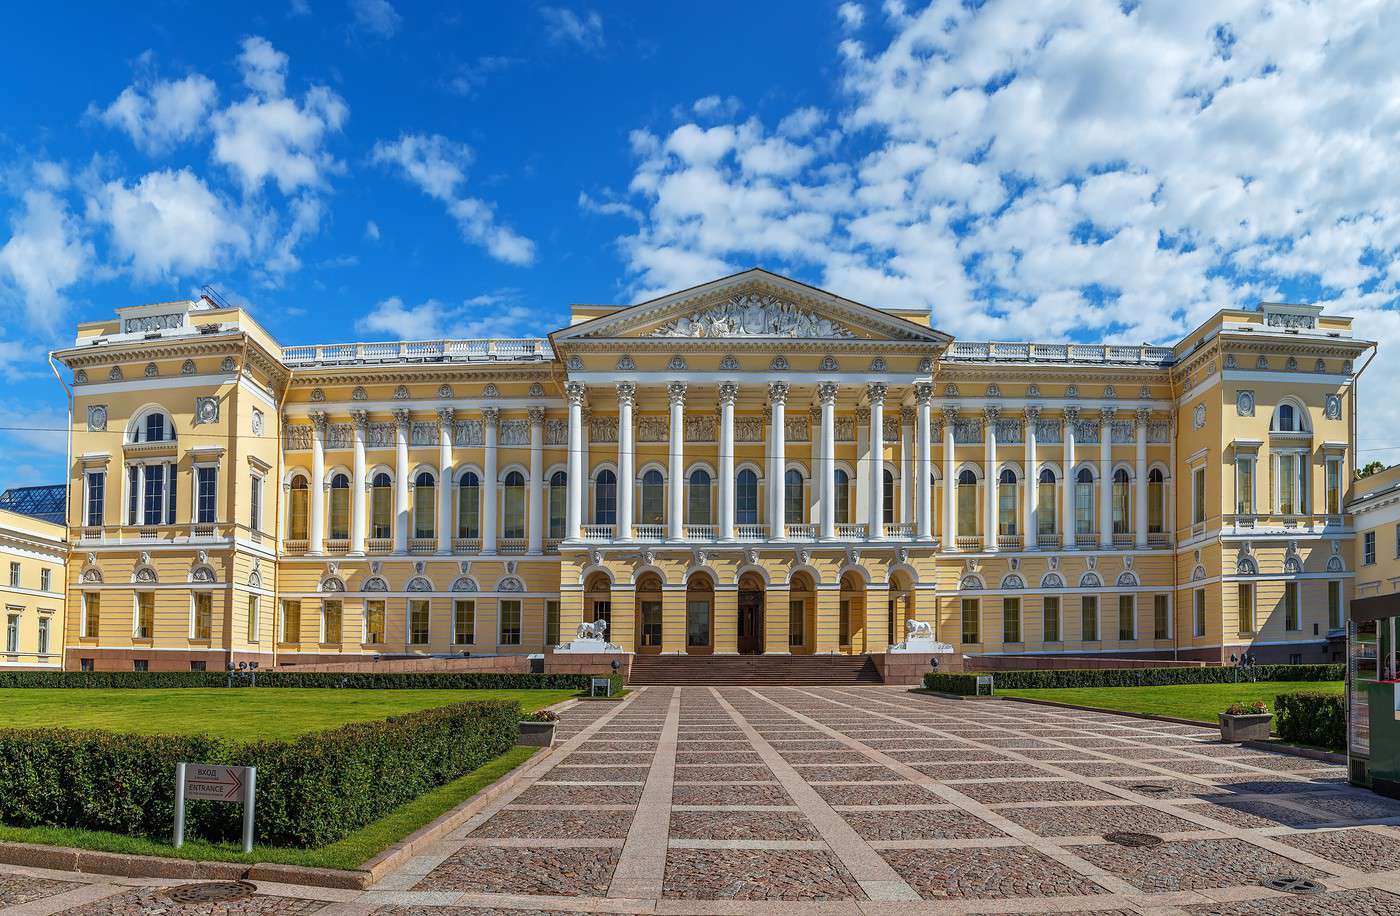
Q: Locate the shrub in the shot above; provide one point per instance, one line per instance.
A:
(1145, 677)
(1255, 708)
(960, 684)
(311, 791)
(1312, 718)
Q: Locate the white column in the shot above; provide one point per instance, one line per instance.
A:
(534, 518)
(1031, 481)
(826, 394)
(1067, 523)
(576, 484)
(950, 485)
(728, 391)
(359, 493)
(626, 472)
(818, 460)
(876, 515)
(777, 435)
(906, 464)
(923, 464)
(490, 417)
(675, 520)
(445, 476)
(1140, 482)
(1171, 477)
(317, 528)
(1105, 477)
(401, 471)
(991, 414)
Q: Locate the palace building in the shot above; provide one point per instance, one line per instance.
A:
(748, 466)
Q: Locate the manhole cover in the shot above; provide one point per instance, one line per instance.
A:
(1128, 838)
(210, 892)
(1293, 885)
(1151, 788)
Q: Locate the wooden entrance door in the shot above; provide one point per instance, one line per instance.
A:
(750, 623)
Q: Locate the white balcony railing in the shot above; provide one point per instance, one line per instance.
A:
(512, 545)
(1047, 541)
(700, 532)
(848, 532)
(336, 546)
(967, 542)
(1086, 540)
(1123, 540)
(1158, 539)
(294, 545)
(596, 533)
(422, 545)
(649, 532)
(1010, 541)
(466, 545)
(979, 351)
(899, 530)
(801, 532)
(418, 351)
(751, 532)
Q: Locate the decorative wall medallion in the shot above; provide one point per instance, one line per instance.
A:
(1244, 403)
(829, 364)
(752, 315)
(1198, 417)
(490, 391)
(575, 364)
(1334, 564)
(950, 390)
(464, 584)
(206, 410)
(1109, 392)
(374, 584)
(1127, 580)
(97, 418)
(970, 584)
(1090, 580)
(728, 362)
(151, 370)
(115, 375)
(419, 566)
(877, 364)
(677, 363)
(536, 390)
(317, 395)
(187, 367)
(206, 574)
(1320, 366)
(1143, 392)
(228, 365)
(779, 363)
(1332, 406)
(1052, 580)
(401, 393)
(1291, 364)
(444, 391)
(926, 364)
(1261, 363)
(80, 377)
(626, 363)
(993, 390)
(419, 584)
(1033, 391)
(1229, 360)
(1013, 581)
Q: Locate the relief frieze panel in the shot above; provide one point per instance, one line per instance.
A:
(748, 429)
(556, 432)
(379, 435)
(467, 433)
(652, 429)
(514, 432)
(699, 428)
(602, 429)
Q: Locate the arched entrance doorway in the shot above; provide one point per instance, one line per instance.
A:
(597, 600)
(901, 604)
(802, 608)
(649, 613)
(699, 611)
(852, 610)
(750, 614)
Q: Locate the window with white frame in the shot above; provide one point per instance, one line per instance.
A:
(1198, 612)
(206, 496)
(1292, 619)
(374, 622)
(14, 574)
(558, 504)
(381, 507)
(1089, 618)
(289, 629)
(510, 622)
(332, 615)
(1045, 511)
(967, 504)
(144, 620)
(468, 506)
(1244, 484)
(1198, 495)
(1127, 618)
(424, 505)
(1156, 501)
(1006, 506)
(653, 505)
(96, 498)
(1050, 619)
(418, 622)
(1368, 547)
(254, 617)
(340, 507)
(1244, 607)
(1291, 482)
(255, 501)
(513, 506)
(1334, 605)
(1161, 617)
(202, 616)
(1122, 516)
(42, 645)
(46, 580)
(463, 622)
(12, 634)
(1084, 502)
(1334, 486)
(698, 497)
(92, 615)
(298, 508)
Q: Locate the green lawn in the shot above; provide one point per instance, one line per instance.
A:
(351, 852)
(1201, 702)
(238, 714)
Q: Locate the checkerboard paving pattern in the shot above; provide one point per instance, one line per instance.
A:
(865, 800)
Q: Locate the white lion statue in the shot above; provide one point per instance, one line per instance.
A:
(917, 629)
(596, 629)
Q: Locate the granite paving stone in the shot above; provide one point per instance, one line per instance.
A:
(568, 872)
(997, 872)
(15, 889)
(1193, 864)
(1364, 901)
(565, 795)
(561, 824)
(1086, 820)
(1366, 850)
(721, 794)
(758, 874)
(1001, 793)
(948, 824)
(740, 825)
(152, 901)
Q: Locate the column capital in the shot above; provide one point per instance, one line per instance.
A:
(401, 418)
(923, 392)
(1072, 414)
(676, 391)
(778, 392)
(816, 414)
(728, 391)
(360, 418)
(950, 414)
(490, 415)
(445, 415)
(536, 415)
(1141, 416)
(875, 391)
(1106, 415)
(862, 414)
(318, 420)
(992, 412)
(576, 393)
(627, 393)
(1032, 413)
(827, 391)
(906, 414)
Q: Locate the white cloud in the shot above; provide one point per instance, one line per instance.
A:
(852, 15)
(168, 224)
(372, 231)
(498, 314)
(162, 113)
(610, 206)
(439, 167)
(376, 16)
(264, 67)
(568, 27)
(44, 255)
(715, 106)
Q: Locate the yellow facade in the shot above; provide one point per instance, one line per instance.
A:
(32, 559)
(416, 498)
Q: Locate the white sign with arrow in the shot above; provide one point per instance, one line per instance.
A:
(213, 782)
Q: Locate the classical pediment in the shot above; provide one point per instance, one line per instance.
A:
(753, 306)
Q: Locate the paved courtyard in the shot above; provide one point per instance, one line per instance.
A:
(865, 800)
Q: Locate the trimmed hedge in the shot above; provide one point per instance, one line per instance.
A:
(1135, 677)
(464, 680)
(1315, 719)
(311, 791)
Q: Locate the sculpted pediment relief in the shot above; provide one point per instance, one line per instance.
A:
(753, 315)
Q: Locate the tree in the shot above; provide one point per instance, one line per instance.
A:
(1375, 467)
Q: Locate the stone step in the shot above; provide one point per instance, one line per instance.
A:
(768, 670)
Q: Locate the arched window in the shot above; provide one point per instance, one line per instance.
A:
(1156, 501)
(469, 505)
(381, 506)
(653, 498)
(746, 498)
(513, 506)
(843, 498)
(154, 426)
(1122, 520)
(605, 498)
(1006, 502)
(298, 508)
(1045, 512)
(887, 510)
(558, 504)
(698, 503)
(1084, 502)
(1286, 420)
(424, 505)
(967, 504)
(340, 507)
(793, 501)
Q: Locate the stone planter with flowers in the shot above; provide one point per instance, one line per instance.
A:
(538, 729)
(1246, 722)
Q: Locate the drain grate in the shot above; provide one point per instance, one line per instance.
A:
(211, 892)
(1290, 884)
(1129, 838)
(1151, 788)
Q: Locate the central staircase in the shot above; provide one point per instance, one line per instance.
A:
(754, 670)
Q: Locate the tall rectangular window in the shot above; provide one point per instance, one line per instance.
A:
(510, 622)
(46, 580)
(43, 645)
(1244, 485)
(602, 610)
(651, 623)
(1161, 617)
(1198, 496)
(1051, 619)
(1245, 607)
(697, 623)
(971, 621)
(14, 575)
(1089, 618)
(291, 622)
(551, 622)
(797, 622)
(1397, 544)
(1334, 605)
(202, 617)
(1127, 618)
(1006, 507)
(512, 511)
(1198, 611)
(331, 617)
(1334, 486)
(255, 502)
(1011, 620)
(145, 615)
(171, 473)
(418, 623)
(206, 479)
(463, 622)
(12, 634)
(843, 627)
(558, 507)
(1045, 512)
(374, 622)
(92, 614)
(1084, 504)
(133, 492)
(96, 498)
(1368, 546)
(254, 618)
(1292, 619)
(153, 495)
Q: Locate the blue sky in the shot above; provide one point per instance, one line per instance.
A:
(370, 170)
